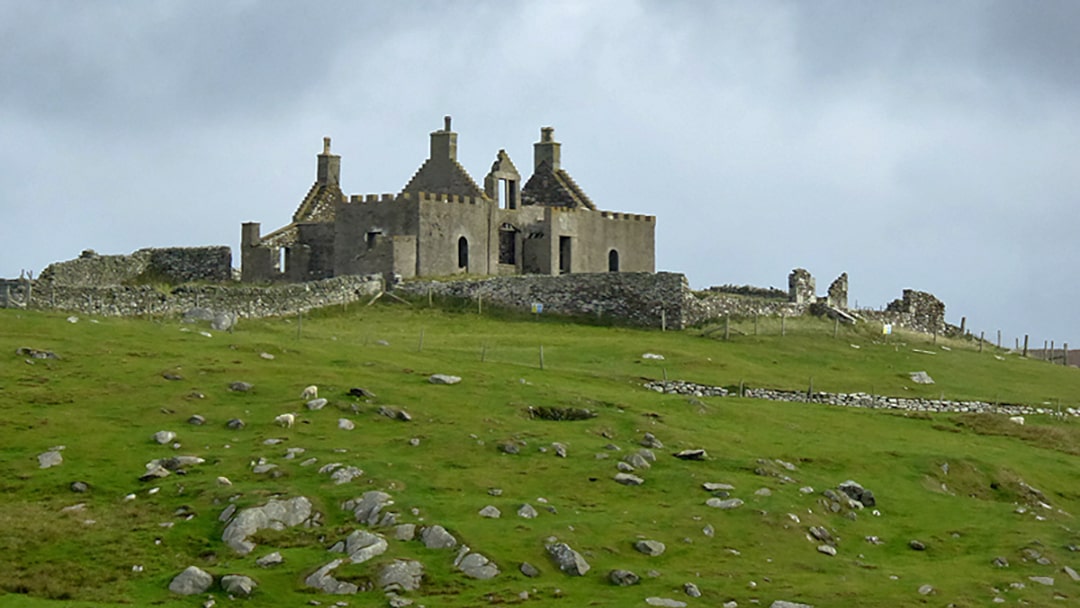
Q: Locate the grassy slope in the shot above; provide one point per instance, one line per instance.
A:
(106, 397)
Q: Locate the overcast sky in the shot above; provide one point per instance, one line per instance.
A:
(925, 145)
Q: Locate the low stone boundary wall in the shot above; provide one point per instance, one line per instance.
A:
(172, 264)
(641, 299)
(244, 301)
(862, 400)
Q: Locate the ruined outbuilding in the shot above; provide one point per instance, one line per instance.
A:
(443, 223)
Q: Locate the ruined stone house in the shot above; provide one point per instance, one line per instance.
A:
(443, 223)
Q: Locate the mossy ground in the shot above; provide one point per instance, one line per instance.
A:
(106, 396)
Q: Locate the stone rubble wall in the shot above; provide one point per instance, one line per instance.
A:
(642, 299)
(173, 265)
(245, 301)
(861, 400)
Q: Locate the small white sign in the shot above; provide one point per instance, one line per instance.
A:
(886, 329)
(537, 308)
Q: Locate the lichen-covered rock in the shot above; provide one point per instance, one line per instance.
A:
(569, 561)
(238, 585)
(401, 575)
(191, 581)
(275, 514)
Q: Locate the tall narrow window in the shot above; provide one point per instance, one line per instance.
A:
(281, 259)
(564, 255)
(463, 253)
(613, 261)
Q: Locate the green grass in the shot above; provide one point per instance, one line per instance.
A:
(105, 397)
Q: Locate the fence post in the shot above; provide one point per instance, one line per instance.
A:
(1065, 354)
(541, 356)
(1025, 344)
(981, 334)
(999, 339)
(783, 325)
(727, 326)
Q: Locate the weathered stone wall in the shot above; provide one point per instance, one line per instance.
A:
(642, 299)
(920, 311)
(174, 264)
(244, 301)
(700, 307)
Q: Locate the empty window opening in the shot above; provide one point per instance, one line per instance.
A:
(463, 253)
(372, 235)
(613, 261)
(507, 246)
(564, 255)
(281, 259)
(508, 194)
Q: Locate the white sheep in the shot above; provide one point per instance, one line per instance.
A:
(1016, 419)
(286, 420)
(311, 392)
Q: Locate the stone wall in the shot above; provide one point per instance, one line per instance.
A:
(244, 301)
(642, 299)
(920, 311)
(174, 265)
(700, 307)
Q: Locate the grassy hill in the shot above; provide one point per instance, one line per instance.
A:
(970, 488)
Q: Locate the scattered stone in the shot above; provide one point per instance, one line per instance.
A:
(725, 504)
(238, 585)
(692, 454)
(763, 492)
(623, 578)
(569, 561)
(664, 602)
(275, 514)
(309, 462)
(172, 376)
(921, 378)
(345, 424)
(361, 392)
(443, 379)
(527, 511)
(714, 487)
(235, 424)
(394, 413)
(436, 537)
(653, 356)
(854, 491)
(560, 449)
(345, 475)
(1042, 580)
(925, 590)
(415, 441)
(401, 575)
(368, 507)
(821, 534)
(33, 353)
(490, 511)
(223, 321)
(196, 420)
(163, 437)
(240, 387)
(650, 441)
(708, 530)
(50, 459)
(628, 479)
(623, 467)
(475, 565)
(191, 581)
(405, 532)
(509, 447)
(80, 487)
(650, 547)
(917, 545)
(827, 550)
(316, 404)
(1001, 562)
(268, 560)
(321, 580)
(362, 545)
(691, 589)
(637, 460)
(266, 356)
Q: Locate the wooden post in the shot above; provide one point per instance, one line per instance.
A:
(663, 319)
(541, 356)
(727, 327)
(981, 335)
(999, 339)
(1017, 345)
(783, 325)
(429, 297)
(742, 389)
(835, 327)
(479, 303)
(1051, 357)
(1065, 354)
(420, 346)
(1025, 344)
(963, 324)
(664, 370)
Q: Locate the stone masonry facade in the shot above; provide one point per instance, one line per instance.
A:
(443, 223)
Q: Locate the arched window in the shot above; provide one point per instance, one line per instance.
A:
(613, 261)
(463, 253)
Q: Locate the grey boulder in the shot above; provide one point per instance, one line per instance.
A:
(275, 515)
(191, 581)
(238, 585)
(569, 561)
(401, 575)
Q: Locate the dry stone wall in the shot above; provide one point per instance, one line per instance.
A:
(174, 265)
(243, 301)
(642, 299)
